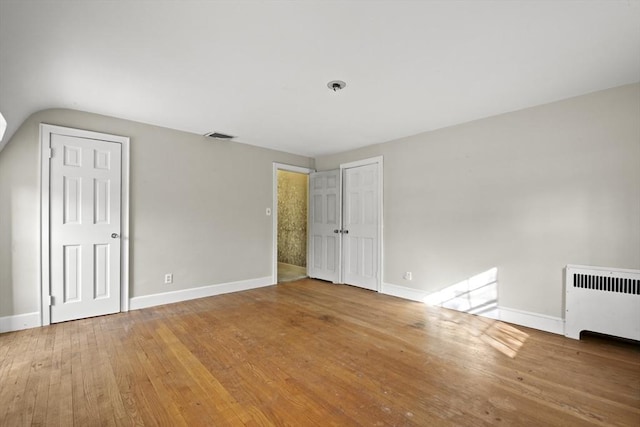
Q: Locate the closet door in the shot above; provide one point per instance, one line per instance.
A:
(360, 226)
(324, 225)
(85, 198)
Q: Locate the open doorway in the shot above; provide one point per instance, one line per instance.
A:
(290, 223)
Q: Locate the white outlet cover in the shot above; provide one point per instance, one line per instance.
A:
(268, 211)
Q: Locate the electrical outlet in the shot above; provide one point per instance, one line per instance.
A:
(408, 275)
(268, 211)
(168, 278)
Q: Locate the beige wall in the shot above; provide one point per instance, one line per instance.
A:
(292, 217)
(527, 192)
(19, 224)
(197, 208)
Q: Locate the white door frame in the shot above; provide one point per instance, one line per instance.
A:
(274, 213)
(46, 131)
(370, 161)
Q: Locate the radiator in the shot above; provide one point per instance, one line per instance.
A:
(603, 300)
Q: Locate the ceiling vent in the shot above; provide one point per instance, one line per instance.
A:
(219, 135)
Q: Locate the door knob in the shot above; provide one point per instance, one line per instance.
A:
(336, 231)
(345, 231)
(114, 235)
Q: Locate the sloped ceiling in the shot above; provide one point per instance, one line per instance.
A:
(259, 69)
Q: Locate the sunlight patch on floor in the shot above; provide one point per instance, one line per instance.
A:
(479, 295)
(504, 338)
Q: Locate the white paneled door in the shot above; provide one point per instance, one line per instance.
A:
(360, 226)
(345, 225)
(85, 214)
(324, 225)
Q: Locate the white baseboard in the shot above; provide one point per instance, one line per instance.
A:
(519, 317)
(403, 292)
(201, 292)
(19, 321)
(538, 321)
(542, 322)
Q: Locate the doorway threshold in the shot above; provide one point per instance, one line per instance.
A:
(289, 272)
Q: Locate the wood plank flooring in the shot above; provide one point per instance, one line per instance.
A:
(290, 273)
(310, 353)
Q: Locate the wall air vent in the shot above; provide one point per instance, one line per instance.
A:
(219, 135)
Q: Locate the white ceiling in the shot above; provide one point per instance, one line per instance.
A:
(259, 69)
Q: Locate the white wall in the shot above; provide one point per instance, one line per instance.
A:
(197, 208)
(527, 192)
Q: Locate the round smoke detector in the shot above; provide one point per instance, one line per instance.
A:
(336, 85)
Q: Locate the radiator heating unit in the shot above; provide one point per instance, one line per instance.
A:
(603, 300)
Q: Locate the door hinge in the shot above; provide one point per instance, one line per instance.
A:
(50, 152)
(50, 300)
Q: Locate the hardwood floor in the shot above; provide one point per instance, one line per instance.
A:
(311, 353)
(290, 273)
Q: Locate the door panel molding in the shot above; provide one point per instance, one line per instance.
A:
(46, 133)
